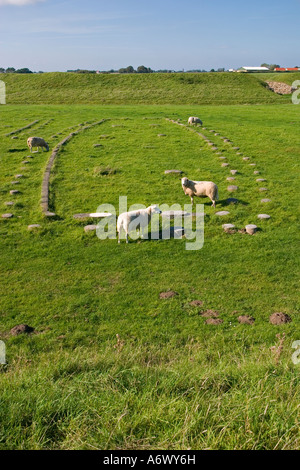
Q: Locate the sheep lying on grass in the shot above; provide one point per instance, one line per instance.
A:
(135, 219)
(194, 120)
(37, 142)
(200, 189)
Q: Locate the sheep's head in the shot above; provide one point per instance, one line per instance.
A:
(184, 181)
(155, 209)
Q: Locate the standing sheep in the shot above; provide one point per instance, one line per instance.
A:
(200, 189)
(134, 219)
(194, 120)
(37, 142)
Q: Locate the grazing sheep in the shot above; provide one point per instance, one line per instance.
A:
(194, 120)
(37, 142)
(141, 219)
(200, 189)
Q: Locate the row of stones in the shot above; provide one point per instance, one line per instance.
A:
(46, 178)
(251, 228)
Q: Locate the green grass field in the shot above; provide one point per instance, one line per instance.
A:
(156, 88)
(170, 381)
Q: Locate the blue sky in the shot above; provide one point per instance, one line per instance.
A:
(54, 35)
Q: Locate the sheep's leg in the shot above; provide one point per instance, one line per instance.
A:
(192, 200)
(213, 203)
(126, 237)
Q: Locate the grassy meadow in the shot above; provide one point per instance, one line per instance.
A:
(152, 89)
(169, 380)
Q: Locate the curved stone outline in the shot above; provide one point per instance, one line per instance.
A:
(46, 179)
(22, 128)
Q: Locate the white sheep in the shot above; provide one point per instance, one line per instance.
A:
(200, 189)
(141, 219)
(37, 142)
(194, 120)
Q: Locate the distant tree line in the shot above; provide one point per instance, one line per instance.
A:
(13, 70)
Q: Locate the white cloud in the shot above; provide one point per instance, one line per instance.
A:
(19, 2)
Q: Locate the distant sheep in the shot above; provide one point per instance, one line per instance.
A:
(141, 219)
(200, 189)
(37, 142)
(194, 120)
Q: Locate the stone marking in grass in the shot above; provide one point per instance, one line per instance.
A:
(172, 214)
(251, 229)
(265, 200)
(230, 178)
(246, 158)
(236, 148)
(97, 145)
(14, 191)
(225, 164)
(90, 228)
(9, 203)
(222, 213)
(263, 189)
(93, 215)
(278, 318)
(15, 182)
(22, 128)
(25, 162)
(263, 216)
(232, 188)
(33, 226)
(161, 135)
(223, 158)
(19, 176)
(260, 179)
(233, 172)
(256, 172)
(252, 164)
(178, 172)
(214, 148)
(229, 228)
(7, 216)
(46, 178)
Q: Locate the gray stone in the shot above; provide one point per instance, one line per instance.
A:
(233, 172)
(33, 226)
(265, 200)
(225, 164)
(260, 179)
(9, 203)
(19, 176)
(230, 178)
(15, 182)
(263, 216)
(228, 227)
(251, 229)
(167, 172)
(252, 164)
(232, 188)
(214, 148)
(222, 158)
(263, 189)
(161, 135)
(236, 148)
(49, 214)
(222, 213)
(7, 216)
(90, 228)
(256, 172)
(14, 191)
(246, 158)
